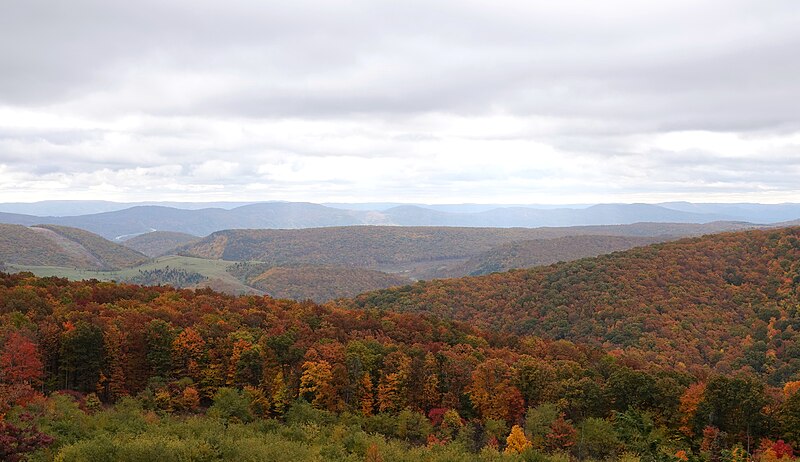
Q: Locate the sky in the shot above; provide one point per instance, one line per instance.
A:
(404, 101)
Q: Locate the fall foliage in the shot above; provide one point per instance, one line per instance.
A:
(431, 381)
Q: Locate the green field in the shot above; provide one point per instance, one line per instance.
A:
(214, 270)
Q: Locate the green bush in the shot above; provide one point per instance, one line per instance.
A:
(231, 405)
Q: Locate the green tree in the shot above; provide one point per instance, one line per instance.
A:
(160, 336)
(637, 430)
(630, 389)
(535, 379)
(596, 439)
(538, 421)
(81, 356)
(232, 405)
(790, 419)
(735, 406)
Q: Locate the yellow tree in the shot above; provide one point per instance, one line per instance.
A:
(316, 383)
(187, 353)
(431, 397)
(790, 388)
(238, 347)
(280, 393)
(517, 442)
(393, 386)
(366, 395)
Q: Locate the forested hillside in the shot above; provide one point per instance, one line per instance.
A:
(320, 382)
(726, 301)
(112, 255)
(418, 252)
(158, 243)
(317, 283)
(47, 245)
(20, 244)
(538, 252)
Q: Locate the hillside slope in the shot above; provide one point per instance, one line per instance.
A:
(109, 254)
(47, 245)
(317, 283)
(538, 252)
(729, 300)
(158, 243)
(419, 252)
(305, 371)
(22, 245)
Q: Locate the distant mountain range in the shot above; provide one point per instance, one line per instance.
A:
(192, 218)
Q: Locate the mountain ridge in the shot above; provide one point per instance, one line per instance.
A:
(141, 219)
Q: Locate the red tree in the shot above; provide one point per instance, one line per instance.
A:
(20, 361)
(16, 442)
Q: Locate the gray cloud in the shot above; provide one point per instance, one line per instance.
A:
(249, 97)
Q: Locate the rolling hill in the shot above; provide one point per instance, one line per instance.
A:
(317, 283)
(110, 254)
(47, 245)
(538, 252)
(417, 252)
(29, 246)
(728, 300)
(158, 243)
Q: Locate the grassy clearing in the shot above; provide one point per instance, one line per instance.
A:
(214, 270)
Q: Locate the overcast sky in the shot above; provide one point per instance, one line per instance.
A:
(409, 101)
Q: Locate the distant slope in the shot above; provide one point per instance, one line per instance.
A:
(60, 246)
(755, 213)
(423, 251)
(728, 299)
(318, 283)
(143, 219)
(111, 255)
(19, 219)
(603, 214)
(64, 208)
(537, 252)
(22, 245)
(159, 243)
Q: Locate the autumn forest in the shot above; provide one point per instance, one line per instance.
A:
(688, 350)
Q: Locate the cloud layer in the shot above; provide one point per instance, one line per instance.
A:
(442, 101)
